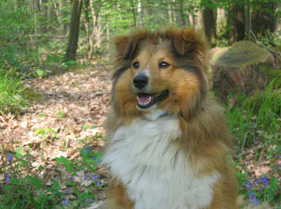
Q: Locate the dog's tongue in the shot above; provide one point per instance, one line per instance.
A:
(144, 99)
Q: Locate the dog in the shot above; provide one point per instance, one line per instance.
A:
(169, 141)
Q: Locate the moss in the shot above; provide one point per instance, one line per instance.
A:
(240, 54)
(276, 76)
(31, 95)
(263, 69)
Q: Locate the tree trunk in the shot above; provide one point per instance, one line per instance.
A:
(180, 13)
(209, 21)
(263, 17)
(58, 13)
(170, 15)
(74, 31)
(44, 13)
(247, 19)
(96, 31)
(139, 14)
(236, 21)
(87, 28)
(242, 67)
(133, 12)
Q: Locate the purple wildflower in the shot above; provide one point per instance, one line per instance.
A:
(252, 195)
(92, 158)
(67, 191)
(71, 178)
(64, 202)
(248, 185)
(95, 177)
(257, 181)
(98, 184)
(256, 202)
(92, 201)
(7, 180)
(10, 158)
(264, 181)
(253, 199)
(85, 177)
(98, 161)
(86, 201)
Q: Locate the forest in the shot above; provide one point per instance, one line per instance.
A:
(56, 59)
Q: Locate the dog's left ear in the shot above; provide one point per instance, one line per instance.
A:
(187, 42)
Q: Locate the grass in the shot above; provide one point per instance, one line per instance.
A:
(25, 188)
(258, 116)
(12, 97)
(255, 122)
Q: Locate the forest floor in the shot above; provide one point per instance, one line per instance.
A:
(68, 117)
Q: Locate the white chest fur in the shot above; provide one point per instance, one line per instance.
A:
(157, 175)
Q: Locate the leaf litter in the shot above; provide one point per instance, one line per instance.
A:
(68, 117)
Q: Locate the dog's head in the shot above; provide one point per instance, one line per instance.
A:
(160, 71)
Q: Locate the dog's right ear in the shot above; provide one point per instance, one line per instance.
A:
(125, 46)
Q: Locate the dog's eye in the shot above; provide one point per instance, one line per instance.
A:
(136, 65)
(163, 65)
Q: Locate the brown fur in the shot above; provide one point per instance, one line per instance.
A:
(205, 137)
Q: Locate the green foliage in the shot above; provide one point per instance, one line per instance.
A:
(41, 73)
(259, 190)
(60, 114)
(257, 116)
(31, 191)
(254, 120)
(12, 94)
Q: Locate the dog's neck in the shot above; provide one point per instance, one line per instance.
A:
(155, 114)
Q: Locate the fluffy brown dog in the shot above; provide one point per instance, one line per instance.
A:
(169, 139)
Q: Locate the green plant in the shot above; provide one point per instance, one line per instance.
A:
(256, 117)
(24, 188)
(12, 95)
(41, 73)
(60, 114)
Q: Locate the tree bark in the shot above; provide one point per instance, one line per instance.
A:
(133, 12)
(242, 67)
(96, 31)
(44, 13)
(58, 13)
(180, 13)
(139, 14)
(263, 17)
(209, 21)
(247, 18)
(170, 15)
(87, 28)
(236, 21)
(74, 31)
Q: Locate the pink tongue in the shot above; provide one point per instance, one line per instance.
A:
(143, 99)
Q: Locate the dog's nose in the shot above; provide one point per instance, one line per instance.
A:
(140, 81)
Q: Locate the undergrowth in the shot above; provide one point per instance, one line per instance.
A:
(256, 118)
(27, 187)
(12, 97)
(255, 122)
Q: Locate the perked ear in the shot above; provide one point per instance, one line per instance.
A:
(127, 45)
(186, 41)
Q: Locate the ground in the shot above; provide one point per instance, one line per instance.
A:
(69, 115)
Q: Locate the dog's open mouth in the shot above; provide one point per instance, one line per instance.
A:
(147, 100)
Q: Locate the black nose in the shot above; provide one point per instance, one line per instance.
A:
(140, 81)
